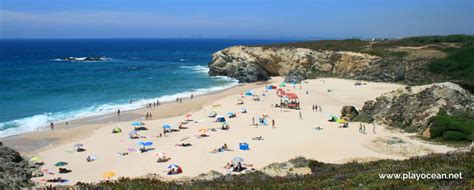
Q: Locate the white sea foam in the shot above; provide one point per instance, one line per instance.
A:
(40, 122)
(197, 68)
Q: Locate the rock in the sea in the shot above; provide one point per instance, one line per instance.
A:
(349, 112)
(250, 64)
(15, 172)
(414, 107)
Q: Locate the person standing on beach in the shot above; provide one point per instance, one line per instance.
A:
(118, 112)
(301, 116)
(320, 109)
(192, 96)
(373, 129)
(253, 120)
(273, 123)
(177, 99)
(51, 125)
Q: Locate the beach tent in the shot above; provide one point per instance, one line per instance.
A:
(333, 118)
(244, 146)
(282, 84)
(249, 93)
(220, 118)
(269, 87)
(116, 130)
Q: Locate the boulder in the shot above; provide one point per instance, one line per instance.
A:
(349, 112)
(15, 172)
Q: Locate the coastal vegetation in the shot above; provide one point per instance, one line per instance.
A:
(323, 175)
(459, 126)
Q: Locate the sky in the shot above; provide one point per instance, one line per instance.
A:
(234, 18)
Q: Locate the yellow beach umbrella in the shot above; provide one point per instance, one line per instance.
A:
(341, 121)
(108, 174)
(203, 130)
(35, 159)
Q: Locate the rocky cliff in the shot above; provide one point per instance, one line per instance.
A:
(416, 106)
(251, 64)
(15, 172)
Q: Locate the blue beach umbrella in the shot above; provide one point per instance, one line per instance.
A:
(166, 126)
(145, 143)
(136, 124)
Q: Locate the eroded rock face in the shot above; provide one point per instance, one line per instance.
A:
(349, 112)
(250, 64)
(414, 106)
(15, 172)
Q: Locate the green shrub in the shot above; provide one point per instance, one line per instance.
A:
(458, 122)
(458, 65)
(454, 136)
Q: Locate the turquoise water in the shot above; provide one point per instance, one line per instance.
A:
(37, 87)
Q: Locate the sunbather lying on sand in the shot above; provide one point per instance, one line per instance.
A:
(318, 128)
(122, 153)
(184, 144)
(260, 138)
(64, 170)
(55, 180)
(222, 149)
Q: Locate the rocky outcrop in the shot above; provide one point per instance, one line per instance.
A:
(349, 112)
(250, 64)
(415, 107)
(15, 172)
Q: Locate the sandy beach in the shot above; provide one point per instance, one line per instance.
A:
(292, 136)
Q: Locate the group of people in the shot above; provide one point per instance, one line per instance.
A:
(317, 108)
(148, 116)
(362, 128)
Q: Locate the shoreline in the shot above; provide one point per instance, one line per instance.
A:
(32, 142)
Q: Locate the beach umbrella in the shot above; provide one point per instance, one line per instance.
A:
(166, 126)
(173, 166)
(60, 163)
(341, 121)
(237, 159)
(137, 124)
(159, 154)
(145, 143)
(132, 133)
(203, 130)
(35, 159)
(78, 145)
(109, 174)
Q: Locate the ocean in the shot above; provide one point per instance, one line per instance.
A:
(38, 86)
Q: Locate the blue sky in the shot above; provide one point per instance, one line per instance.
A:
(231, 18)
